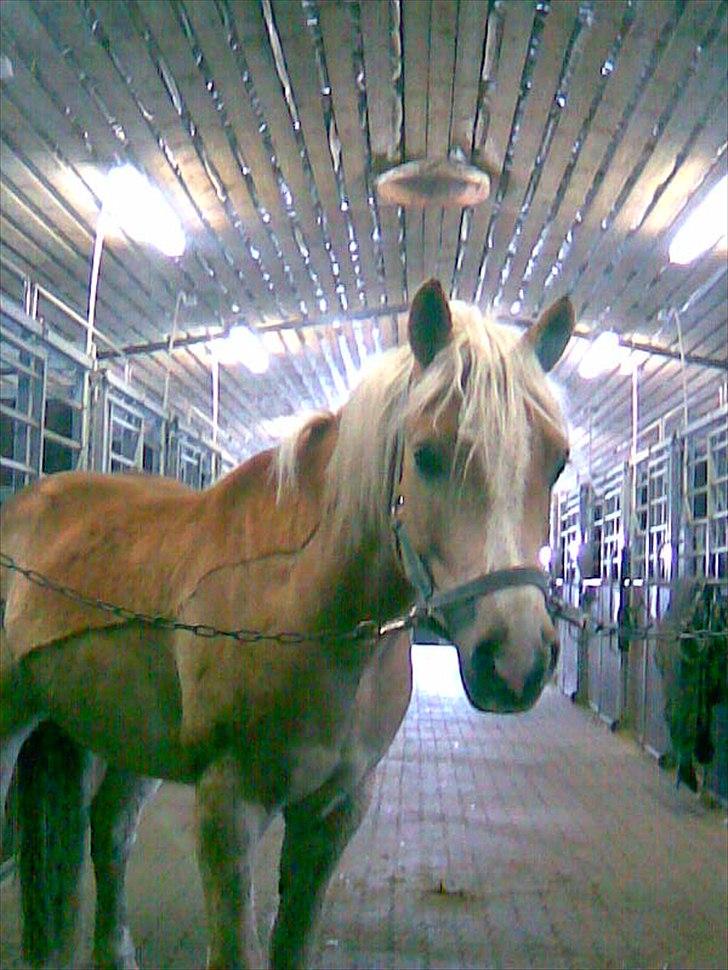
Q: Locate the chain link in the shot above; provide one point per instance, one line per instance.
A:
(365, 630)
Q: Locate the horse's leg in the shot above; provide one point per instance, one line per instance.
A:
(16, 720)
(228, 829)
(311, 848)
(115, 813)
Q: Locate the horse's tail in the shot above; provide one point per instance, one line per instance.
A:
(52, 810)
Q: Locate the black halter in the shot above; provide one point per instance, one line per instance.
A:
(430, 601)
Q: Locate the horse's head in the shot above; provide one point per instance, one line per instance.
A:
(482, 445)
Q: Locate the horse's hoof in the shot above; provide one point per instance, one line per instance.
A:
(116, 961)
(121, 956)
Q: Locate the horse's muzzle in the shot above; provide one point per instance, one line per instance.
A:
(488, 690)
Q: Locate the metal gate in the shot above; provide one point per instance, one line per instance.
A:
(192, 459)
(43, 420)
(129, 430)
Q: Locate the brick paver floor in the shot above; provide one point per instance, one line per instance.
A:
(540, 840)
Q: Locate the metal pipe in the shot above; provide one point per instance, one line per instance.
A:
(170, 347)
(634, 413)
(94, 281)
(215, 367)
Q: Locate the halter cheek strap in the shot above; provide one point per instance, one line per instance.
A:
(431, 601)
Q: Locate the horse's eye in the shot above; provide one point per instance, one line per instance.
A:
(431, 461)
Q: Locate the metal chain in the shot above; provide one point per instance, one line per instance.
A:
(364, 630)
(584, 621)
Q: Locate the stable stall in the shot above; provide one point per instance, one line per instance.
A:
(43, 400)
(623, 544)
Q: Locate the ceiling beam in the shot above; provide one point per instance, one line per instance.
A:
(297, 323)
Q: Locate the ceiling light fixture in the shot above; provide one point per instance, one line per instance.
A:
(604, 354)
(242, 346)
(704, 227)
(141, 211)
(544, 557)
(447, 182)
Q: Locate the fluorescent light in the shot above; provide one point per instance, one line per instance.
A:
(140, 209)
(603, 355)
(573, 550)
(242, 346)
(706, 225)
(544, 557)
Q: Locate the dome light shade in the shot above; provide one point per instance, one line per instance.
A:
(448, 183)
(141, 211)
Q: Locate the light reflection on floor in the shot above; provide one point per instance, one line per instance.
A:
(436, 670)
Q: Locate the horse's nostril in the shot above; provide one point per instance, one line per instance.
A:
(487, 650)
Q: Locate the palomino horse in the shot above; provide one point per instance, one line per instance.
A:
(435, 475)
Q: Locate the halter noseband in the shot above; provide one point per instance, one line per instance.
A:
(431, 601)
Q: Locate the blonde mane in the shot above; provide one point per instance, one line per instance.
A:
(485, 367)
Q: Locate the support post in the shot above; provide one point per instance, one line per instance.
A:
(86, 459)
(675, 507)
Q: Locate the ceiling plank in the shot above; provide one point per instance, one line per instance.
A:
(661, 60)
(617, 87)
(472, 19)
(509, 27)
(336, 24)
(416, 19)
(646, 276)
(156, 143)
(658, 157)
(557, 38)
(594, 40)
(262, 227)
(385, 143)
(440, 90)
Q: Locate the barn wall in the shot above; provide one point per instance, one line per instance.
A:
(621, 547)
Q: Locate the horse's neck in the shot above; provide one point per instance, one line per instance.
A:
(331, 583)
(351, 582)
(363, 583)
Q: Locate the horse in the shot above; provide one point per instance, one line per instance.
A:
(429, 486)
(692, 666)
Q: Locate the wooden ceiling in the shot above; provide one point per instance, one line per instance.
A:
(266, 123)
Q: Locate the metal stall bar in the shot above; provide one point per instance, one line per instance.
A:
(703, 540)
(565, 569)
(717, 565)
(192, 459)
(65, 409)
(129, 429)
(22, 407)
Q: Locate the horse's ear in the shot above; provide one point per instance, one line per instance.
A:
(550, 334)
(430, 322)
